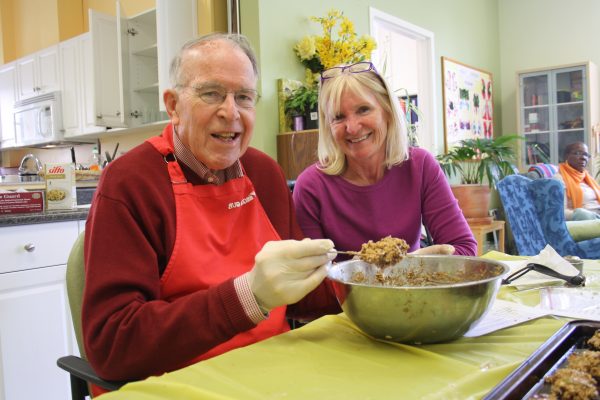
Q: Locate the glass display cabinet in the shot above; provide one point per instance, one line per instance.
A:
(557, 106)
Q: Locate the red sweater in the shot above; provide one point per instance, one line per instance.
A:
(129, 331)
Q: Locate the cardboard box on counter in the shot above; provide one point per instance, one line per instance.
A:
(21, 202)
(60, 186)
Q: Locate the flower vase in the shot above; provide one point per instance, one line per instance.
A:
(298, 123)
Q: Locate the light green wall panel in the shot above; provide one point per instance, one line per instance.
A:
(535, 34)
(465, 30)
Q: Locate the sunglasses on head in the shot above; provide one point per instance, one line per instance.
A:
(357, 68)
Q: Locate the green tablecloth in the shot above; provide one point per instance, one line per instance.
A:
(332, 359)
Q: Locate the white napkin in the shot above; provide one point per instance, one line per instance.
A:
(547, 257)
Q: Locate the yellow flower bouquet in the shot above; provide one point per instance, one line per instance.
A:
(333, 47)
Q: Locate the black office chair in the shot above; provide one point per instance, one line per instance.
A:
(78, 367)
(81, 375)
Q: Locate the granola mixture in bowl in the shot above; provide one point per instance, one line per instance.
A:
(421, 299)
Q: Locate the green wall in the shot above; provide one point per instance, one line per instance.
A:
(465, 30)
(536, 34)
(500, 36)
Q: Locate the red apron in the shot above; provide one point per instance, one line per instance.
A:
(219, 231)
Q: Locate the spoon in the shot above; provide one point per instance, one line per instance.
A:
(380, 265)
(350, 253)
(356, 253)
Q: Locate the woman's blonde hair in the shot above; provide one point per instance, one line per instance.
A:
(331, 158)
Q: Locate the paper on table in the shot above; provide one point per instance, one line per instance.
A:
(504, 314)
(578, 303)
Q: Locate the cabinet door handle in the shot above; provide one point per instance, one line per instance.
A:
(98, 116)
(29, 247)
(118, 113)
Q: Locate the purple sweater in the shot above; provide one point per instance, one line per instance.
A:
(416, 191)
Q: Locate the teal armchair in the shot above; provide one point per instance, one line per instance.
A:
(535, 212)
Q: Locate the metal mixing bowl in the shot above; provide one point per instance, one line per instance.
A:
(418, 314)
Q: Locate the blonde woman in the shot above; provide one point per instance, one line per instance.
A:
(368, 183)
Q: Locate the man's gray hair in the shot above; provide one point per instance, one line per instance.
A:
(238, 40)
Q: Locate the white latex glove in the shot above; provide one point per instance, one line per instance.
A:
(287, 270)
(442, 249)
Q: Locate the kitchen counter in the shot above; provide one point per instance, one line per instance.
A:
(11, 184)
(85, 190)
(78, 213)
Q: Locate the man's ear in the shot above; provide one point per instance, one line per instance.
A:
(170, 98)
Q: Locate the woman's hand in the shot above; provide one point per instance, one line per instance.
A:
(441, 249)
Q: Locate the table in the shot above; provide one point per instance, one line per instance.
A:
(481, 230)
(330, 358)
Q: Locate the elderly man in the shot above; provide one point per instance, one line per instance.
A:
(582, 192)
(183, 249)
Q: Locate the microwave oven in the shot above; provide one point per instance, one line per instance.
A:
(38, 120)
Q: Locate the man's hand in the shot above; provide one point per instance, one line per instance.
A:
(442, 249)
(285, 271)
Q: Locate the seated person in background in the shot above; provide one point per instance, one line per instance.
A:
(582, 192)
(368, 183)
(183, 251)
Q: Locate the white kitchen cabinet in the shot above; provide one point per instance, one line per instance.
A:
(172, 36)
(557, 106)
(8, 97)
(70, 68)
(81, 225)
(38, 73)
(126, 86)
(35, 322)
(149, 41)
(140, 66)
(76, 67)
(107, 71)
(110, 77)
(88, 88)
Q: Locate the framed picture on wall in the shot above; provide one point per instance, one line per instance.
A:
(468, 106)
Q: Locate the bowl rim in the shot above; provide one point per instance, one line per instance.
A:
(499, 263)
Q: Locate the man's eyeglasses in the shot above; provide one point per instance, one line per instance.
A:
(363, 66)
(581, 153)
(215, 94)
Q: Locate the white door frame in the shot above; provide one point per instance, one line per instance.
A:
(428, 137)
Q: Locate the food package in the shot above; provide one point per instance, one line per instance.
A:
(60, 186)
(21, 202)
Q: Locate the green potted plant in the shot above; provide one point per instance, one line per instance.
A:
(300, 103)
(479, 164)
(480, 160)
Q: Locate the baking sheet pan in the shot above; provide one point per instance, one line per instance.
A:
(528, 379)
